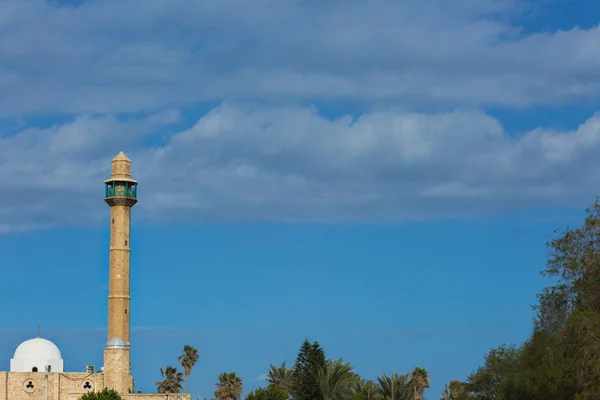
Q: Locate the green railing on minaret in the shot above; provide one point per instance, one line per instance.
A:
(121, 189)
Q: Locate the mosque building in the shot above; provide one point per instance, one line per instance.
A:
(37, 368)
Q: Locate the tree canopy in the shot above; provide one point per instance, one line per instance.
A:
(314, 377)
(271, 392)
(105, 394)
(561, 358)
(229, 386)
(171, 382)
(187, 360)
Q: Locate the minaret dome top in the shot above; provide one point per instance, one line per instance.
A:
(121, 157)
(120, 188)
(121, 167)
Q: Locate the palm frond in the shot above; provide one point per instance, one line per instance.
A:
(336, 380)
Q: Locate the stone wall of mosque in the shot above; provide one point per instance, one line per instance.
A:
(63, 386)
(47, 386)
(148, 396)
(157, 396)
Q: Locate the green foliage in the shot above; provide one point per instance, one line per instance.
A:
(365, 390)
(313, 377)
(561, 359)
(171, 382)
(281, 377)
(455, 390)
(336, 380)
(552, 310)
(277, 374)
(574, 260)
(187, 360)
(396, 387)
(271, 392)
(419, 379)
(497, 378)
(229, 386)
(105, 394)
(305, 374)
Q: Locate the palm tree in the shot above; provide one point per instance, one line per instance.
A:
(172, 380)
(359, 384)
(336, 380)
(188, 359)
(420, 381)
(363, 389)
(229, 387)
(105, 394)
(281, 377)
(456, 390)
(396, 387)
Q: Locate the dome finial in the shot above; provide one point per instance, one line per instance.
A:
(121, 145)
(39, 331)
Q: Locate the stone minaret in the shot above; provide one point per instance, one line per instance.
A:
(120, 195)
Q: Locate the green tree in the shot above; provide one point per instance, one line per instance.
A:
(497, 377)
(455, 390)
(395, 387)
(579, 354)
(171, 382)
(552, 310)
(561, 359)
(271, 392)
(281, 377)
(574, 260)
(570, 310)
(336, 380)
(365, 390)
(229, 386)
(305, 375)
(420, 381)
(105, 394)
(187, 360)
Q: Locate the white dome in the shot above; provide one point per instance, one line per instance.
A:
(35, 355)
(37, 348)
(116, 342)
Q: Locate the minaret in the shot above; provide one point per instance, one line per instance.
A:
(120, 195)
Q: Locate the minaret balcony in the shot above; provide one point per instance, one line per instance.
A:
(120, 192)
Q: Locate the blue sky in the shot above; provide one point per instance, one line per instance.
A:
(380, 176)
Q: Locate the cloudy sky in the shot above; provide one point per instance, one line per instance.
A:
(299, 113)
(298, 110)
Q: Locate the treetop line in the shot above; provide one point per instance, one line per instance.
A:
(560, 360)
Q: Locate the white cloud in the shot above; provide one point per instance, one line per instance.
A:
(292, 164)
(262, 377)
(131, 55)
(108, 62)
(51, 176)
